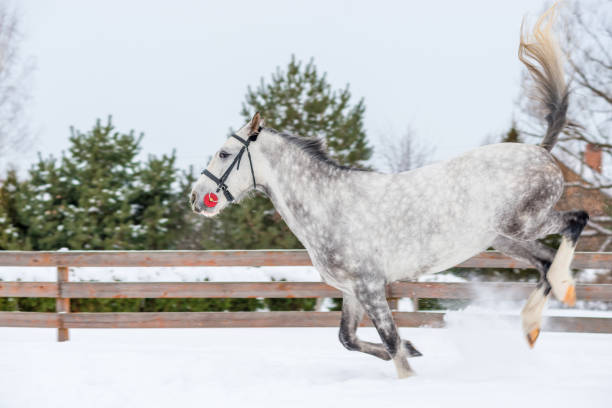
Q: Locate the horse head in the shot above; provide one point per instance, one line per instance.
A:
(230, 175)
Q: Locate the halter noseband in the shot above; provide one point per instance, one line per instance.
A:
(221, 181)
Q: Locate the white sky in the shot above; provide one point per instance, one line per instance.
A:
(178, 70)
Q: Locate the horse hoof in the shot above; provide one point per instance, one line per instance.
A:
(570, 296)
(411, 350)
(531, 315)
(532, 336)
(402, 367)
(405, 374)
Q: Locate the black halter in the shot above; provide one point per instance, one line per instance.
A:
(221, 181)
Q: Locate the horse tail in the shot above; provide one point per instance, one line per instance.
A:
(541, 55)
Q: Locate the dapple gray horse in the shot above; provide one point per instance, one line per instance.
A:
(364, 230)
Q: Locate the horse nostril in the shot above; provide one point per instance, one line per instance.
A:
(193, 198)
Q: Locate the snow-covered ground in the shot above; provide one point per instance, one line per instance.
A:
(475, 362)
(479, 360)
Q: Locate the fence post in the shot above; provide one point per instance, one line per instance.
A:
(62, 305)
(391, 300)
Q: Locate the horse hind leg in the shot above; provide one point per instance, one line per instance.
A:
(559, 274)
(570, 225)
(554, 268)
(541, 256)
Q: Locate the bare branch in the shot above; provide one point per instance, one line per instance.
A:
(585, 82)
(599, 228)
(404, 153)
(605, 244)
(587, 186)
(602, 218)
(14, 90)
(588, 45)
(586, 28)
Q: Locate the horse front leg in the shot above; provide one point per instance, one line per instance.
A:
(352, 314)
(375, 304)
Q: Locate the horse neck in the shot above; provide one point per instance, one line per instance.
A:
(304, 189)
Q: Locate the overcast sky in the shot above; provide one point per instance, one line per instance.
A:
(178, 70)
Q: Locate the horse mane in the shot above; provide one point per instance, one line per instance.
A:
(313, 147)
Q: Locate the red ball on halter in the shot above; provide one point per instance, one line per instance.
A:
(210, 200)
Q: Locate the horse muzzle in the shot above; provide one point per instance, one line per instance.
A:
(207, 205)
(211, 200)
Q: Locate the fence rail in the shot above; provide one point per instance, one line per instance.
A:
(63, 290)
(489, 259)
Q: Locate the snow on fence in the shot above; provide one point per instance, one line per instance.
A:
(63, 290)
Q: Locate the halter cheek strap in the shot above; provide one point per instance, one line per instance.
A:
(220, 182)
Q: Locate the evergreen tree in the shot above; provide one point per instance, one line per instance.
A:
(195, 224)
(301, 101)
(11, 232)
(100, 196)
(512, 136)
(159, 207)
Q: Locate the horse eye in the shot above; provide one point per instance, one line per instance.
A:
(223, 154)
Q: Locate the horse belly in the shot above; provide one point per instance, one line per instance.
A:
(438, 253)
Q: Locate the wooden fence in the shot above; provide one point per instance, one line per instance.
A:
(63, 290)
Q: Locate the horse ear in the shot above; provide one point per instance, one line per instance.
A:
(255, 124)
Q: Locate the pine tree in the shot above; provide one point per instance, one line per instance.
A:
(512, 136)
(101, 196)
(301, 101)
(11, 231)
(98, 196)
(160, 207)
